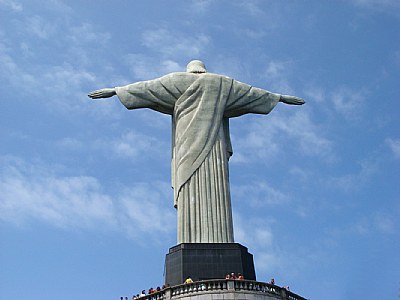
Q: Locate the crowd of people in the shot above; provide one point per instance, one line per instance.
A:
(149, 292)
(189, 280)
(233, 276)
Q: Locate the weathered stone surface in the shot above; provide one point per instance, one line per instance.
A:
(200, 104)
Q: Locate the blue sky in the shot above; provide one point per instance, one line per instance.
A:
(86, 207)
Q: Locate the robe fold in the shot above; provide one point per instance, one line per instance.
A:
(200, 106)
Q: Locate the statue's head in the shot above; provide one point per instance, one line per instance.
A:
(196, 66)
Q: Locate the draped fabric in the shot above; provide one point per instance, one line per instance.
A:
(200, 105)
(204, 205)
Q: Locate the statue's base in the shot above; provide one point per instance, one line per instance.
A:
(202, 261)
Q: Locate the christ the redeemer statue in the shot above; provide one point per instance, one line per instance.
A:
(200, 104)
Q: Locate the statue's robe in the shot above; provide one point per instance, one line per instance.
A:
(200, 105)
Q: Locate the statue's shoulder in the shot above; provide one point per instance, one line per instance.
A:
(192, 77)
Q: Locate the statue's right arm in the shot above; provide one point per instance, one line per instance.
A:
(103, 93)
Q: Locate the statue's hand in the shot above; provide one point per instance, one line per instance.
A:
(291, 100)
(103, 93)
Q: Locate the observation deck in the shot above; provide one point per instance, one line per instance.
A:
(224, 289)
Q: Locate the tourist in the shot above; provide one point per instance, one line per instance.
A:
(227, 276)
(272, 281)
(233, 276)
(240, 276)
(143, 293)
(189, 280)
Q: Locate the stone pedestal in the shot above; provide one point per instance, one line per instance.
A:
(203, 261)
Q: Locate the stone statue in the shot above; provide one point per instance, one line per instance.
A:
(200, 104)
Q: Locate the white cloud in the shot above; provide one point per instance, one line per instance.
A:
(258, 235)
(264, 139)
(255, 233)
(394, 145)
(309, 135)
(86, 33)
(150, 210)
(390, 6)
(260, 194)
(257, 143)
(145, 68)
(276, 77)
(13, 5)
(40, 27)
(134, 145)
(175, 44)
(349, 102)
(384, 223)
(251, 7)
(64, 79)
(130, 145)
(379, 222)
(29, 192)
(353, 181)
(11, 71)
(200, 6)
(315, 93)
(33, 192)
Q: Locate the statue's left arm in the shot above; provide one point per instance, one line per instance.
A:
(244, 99)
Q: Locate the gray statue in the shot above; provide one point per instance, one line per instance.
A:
(200, 104)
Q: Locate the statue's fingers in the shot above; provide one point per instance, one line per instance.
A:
(94, 95)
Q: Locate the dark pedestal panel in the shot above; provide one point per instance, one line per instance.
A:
(201, 261)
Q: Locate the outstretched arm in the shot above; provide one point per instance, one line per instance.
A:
(103, 93)
(291, 100)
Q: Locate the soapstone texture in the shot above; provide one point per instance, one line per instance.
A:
(200, 104)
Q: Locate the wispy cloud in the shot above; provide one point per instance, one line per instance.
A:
(13, 5)
(315, 93)
(394, 145)
(264, 140)
(25, 68)
(389, 6)
(144, 67)
(40, 27)
(136, 145)
(130, 145)
(379, 222)
(349, 102)
(276, 76)
(257, 235)
(200, 6)
(260, 194)
(33, 192)
(252, 7)
(354, 181)
(86, 33)
(172, 43)
(271, 257)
